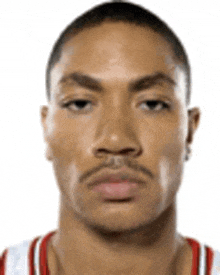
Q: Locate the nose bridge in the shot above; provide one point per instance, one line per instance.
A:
(118, 116)
(117, 107)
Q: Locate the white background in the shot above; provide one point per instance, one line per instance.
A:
(29, 197)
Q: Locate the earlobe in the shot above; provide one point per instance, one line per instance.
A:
(193, 123)
(43, 113)
(48, 153)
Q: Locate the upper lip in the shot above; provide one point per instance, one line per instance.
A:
(124, 176)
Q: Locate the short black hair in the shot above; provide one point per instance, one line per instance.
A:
(120, 11)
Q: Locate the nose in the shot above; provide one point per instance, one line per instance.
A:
(116, 136)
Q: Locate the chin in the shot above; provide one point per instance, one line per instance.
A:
(115, 229)
(117, 223)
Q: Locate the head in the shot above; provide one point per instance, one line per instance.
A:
(118, 85)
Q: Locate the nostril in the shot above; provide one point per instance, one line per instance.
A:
(125, 151)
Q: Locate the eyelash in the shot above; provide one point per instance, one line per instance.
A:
(69, 103)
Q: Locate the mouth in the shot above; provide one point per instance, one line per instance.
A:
(117, 192)
(119, 201)
(122, 186)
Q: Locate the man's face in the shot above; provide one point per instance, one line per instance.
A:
(144, 122)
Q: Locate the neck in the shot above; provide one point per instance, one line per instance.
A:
(150, 249)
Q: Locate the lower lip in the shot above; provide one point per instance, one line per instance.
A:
(117, 191)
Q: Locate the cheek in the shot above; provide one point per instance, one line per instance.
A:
(171, 154)
(165, 150)
(68, 151)
(66, 139)
(67, 178)
(164, 144)
(167, 137)
(170, 166)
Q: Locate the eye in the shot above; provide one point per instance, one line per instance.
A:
(155, 105)
(76, 105)
(80, 105)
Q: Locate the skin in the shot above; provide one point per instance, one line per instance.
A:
(137, 237)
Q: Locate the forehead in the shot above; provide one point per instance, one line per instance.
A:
(116, 51)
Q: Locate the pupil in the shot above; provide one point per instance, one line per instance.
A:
(81, 103)
(152, 103)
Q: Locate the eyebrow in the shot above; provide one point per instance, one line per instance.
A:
(137, 85)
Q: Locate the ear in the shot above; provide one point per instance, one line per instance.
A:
(194, 116)
(44, 114)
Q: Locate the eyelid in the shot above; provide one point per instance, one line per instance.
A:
(159, 97)
(77, 96)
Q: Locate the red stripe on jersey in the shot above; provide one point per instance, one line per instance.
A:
(196, 253)
(209, 260)
(3, 262)
(44, 270)
(31, 256)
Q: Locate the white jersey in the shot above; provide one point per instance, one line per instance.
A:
(30, 258)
